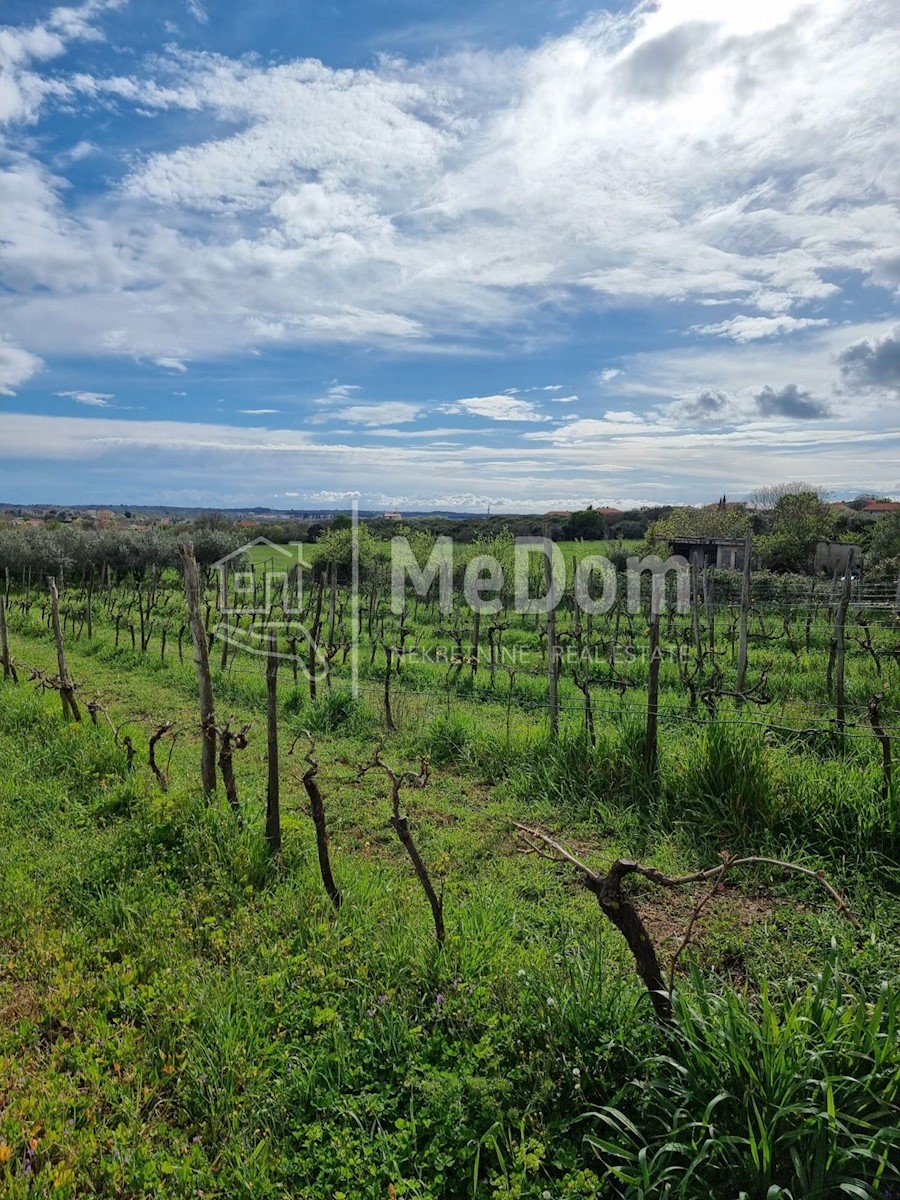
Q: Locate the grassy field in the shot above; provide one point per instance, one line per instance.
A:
(180, 1015)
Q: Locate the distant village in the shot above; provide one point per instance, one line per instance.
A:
(621, 523)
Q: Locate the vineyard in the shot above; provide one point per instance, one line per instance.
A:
(307, 892)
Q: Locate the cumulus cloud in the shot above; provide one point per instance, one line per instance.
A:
(872, 362)
(496, 408)
(791, 402)
(410, 203)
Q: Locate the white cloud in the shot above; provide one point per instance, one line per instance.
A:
(497, 408)
(197, 11)
(91, 399)
(744, 328)
(22, 88)
(610, 461)
(258, 412)
(391, 412)
(664, 154)
(16, 367)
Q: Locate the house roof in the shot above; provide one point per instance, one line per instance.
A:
(881, 506)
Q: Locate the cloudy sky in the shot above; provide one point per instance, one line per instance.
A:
(530, 253)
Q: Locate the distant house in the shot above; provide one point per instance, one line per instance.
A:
(880, 508)
(727, 553)
(392, 516)
(842, 509)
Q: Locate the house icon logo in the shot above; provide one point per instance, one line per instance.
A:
(262, 609)
(261, 604)
(259, 577)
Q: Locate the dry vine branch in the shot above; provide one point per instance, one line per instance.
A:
(229, 741)
(622, 912)
(317, 811)
(882, 735)
(161, 776)
(400, 823)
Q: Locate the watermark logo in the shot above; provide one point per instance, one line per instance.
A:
(271, 602)
(260, 576)
(535, 581)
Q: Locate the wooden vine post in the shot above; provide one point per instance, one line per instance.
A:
(9, 671)
(882, 735)
(840, 650)
(201, 662)
(744, 622)
(651, 739)
(553, 675)
(273, 801)
(66, 687)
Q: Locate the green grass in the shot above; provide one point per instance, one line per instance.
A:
(180, 1016)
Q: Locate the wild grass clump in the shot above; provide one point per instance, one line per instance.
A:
(329, 712)
(726, 793)
(605, 780)
(768, 1099)
(447, 739)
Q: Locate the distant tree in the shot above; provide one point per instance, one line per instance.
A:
(711, 521)
(587, 525)
(766, 498)
(341, 521)
(884, 552)
(799, 520)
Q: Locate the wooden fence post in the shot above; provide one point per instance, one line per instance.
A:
(9, 671)
(651, 747)
(66, 687)
(840, 651)
(551, 645)
(273, 801)
(201, 662)
(744, 622)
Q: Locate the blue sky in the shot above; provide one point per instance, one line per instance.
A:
(531, 255)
